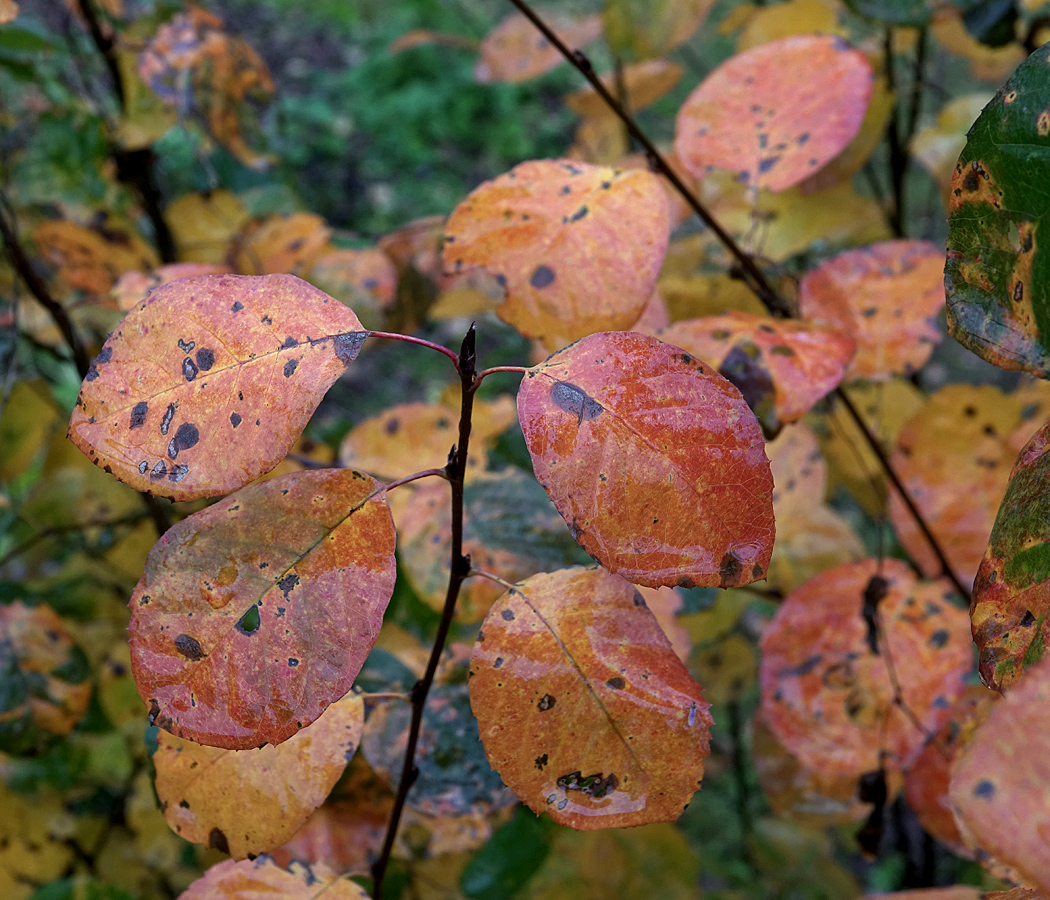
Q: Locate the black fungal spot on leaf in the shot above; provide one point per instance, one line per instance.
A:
(186, 346)
(187, 436)
(159, 470)
(205, 359)
(347, 346)
(542, 277)
(292, 662)
(574, 401)
(138, 414)
(104, 355)
(169, 414)
(237, 306)
(249, 622)
(541, 761)
(617, 683)
(235, 419)
(217, 841)
(939, 638)
(508, 615)
(178, 472)
(290, 367)
(189, 369)
(287, 583)
(546, 702)
(984, 789)
(1028, 619)
(289, 342)
(189, 647)
(729, 568)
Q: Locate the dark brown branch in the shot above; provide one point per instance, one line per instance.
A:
(459, 569)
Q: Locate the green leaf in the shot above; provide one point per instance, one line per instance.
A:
(509, 859)
(25, 40)
(910, 13)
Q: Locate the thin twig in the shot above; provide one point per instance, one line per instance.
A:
(898, 154)
(408, 339)
(459, 567)
(484, 373)
(56, 530)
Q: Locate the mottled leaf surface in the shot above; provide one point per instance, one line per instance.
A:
(208, 382)
(996, 277)
(829, 698)
(999, 783)
(584, 708)
(516, 51)
(653, 459)
(246, 802)
(782, 368)
(1011, 594)
(887, 298)
(577, 247)
(257, 613)
(263, 879)
(777, 113)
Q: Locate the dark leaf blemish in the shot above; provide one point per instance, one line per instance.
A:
(178, 472)
(347, 346)
(169, 414)
(138, 414)
(189, 647)
(289, 342)
(235, 419)
(237, 306)
(574, 401)
(249, 622)
(542, 277)
(508, 615)
(104, 355)
(186, 346)
(617, 683)
(290, 367)
(287, 583)
(217, 841)
(546, 702)
(159, 470)
(205, 359)
(189, 369)
(187, 436)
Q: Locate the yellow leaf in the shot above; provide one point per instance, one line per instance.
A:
(204, 224)
(771, 23)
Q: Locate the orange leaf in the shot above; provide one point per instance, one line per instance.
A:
(91, 259)
(776, 113)
(280, 244)
(258, 612)
(887, 298)
(583, 707)
(653, 459)
(516, 51)
(365, 280)
(249, 879)
(208, 382)
(829, 698)
(246, 802)
(644, 83)
(577, 247)
(782, 368)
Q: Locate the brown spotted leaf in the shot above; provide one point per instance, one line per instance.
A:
(577, 247)
(777, 113)
(254, 879)
(246, 802)
(782, 368)
(999, 782)
(887, 298)
(653, 459)
(829, 698)
(583, 707)
(516, 51)
(208, 382)
(257, 613)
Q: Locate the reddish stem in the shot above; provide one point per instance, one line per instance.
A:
(484, 373)
(408, 339)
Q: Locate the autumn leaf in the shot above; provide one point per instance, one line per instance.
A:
(258, 612)
(516, 51)
(653, 459)
(830, 698)
(577, 247)
(644, 83)
(584, 708)
(157, 408)
(886, 297)
(365, 280)
(647, 29)
(246, 802)
(91, 259)
(255, 878)
(280, 244)
(937, 146)
(203, 225)
(777, 113)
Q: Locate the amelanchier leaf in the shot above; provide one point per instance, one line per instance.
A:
(999, 782)
(515, 50)
(208, 382)
(829, 698)
(997, 279)
(255, 614)
(644, 83)
(647, 29)
(583, 707)
(654, 460)
(777, 113)
(577, 247)
(254, 879)
(1011, 594)
(246, 802)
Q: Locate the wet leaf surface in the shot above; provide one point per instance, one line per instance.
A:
(801, 362)
(257, 613)
(887, 298)
(516, 51)
(996, 277)
(246, 802)
(583, 707)
(262, 877)
(208, 383)
(777, 113)
(829, 698)
(577, 247)
(653, 459)
(998, 783)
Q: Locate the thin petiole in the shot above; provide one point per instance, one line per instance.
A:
(481, 573)
(408, 339)
(426, 473)
(521, 370)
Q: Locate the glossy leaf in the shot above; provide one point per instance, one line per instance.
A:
(782, 368)
(577, 247)
(256, 879)
(653, 459)
(516, 51)
(998, 784)
(829, 698)
(996, 277)
(257, 613)
(208, 382)
(246, 802)
(777, 113)
(954, 457)
(644, 83)
(647, 29)
(887, 298)
(583, 707)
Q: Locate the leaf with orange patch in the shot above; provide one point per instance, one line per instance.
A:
(246, 802)
(577, 247)
(134, 286)
(365, 280)
(777, 113)
(887, 298)
(262, 877)
(583, 707)
(643, 83)
(280, 244)
(258, 612)
(999, 782)
(91, 259)
(516, 51)
(208, 382)
(782, 368)
(653, 459)
(829, 698)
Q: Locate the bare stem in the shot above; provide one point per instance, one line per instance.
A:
(484, 373)
(426, 473)
(408, 339)
(481, 573)
(459, 568)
